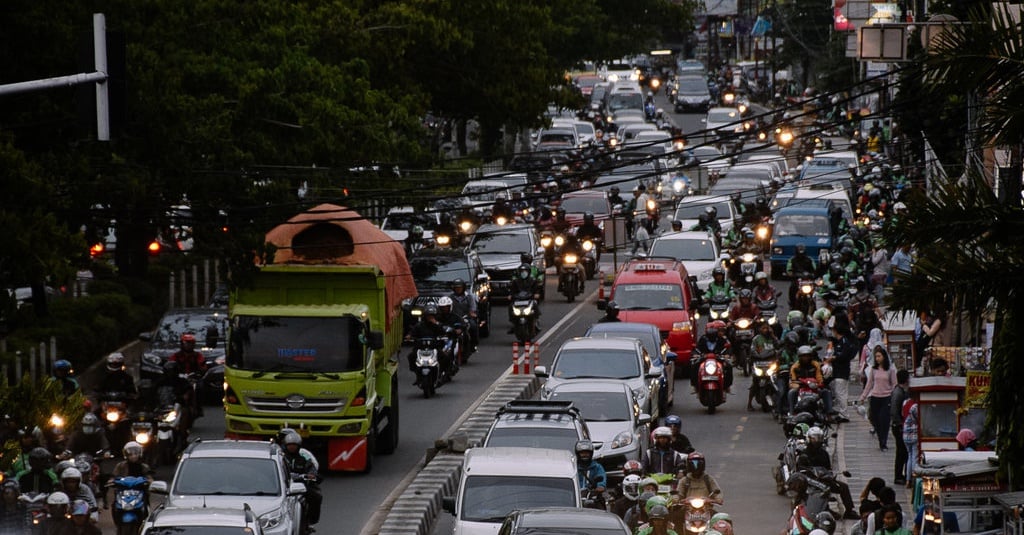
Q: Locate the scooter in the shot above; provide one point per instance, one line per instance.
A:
(711, 382)
(35, 511)
(787, 462)
(590, 252)
(770, 315)
(719, 307)
(803, 299)
(129, 508)
(765, 390)
(742, 336)
(570, 279)
(428, 363)
(748, 267)
(698, 515)
(524, 316)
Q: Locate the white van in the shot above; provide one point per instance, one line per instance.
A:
(496, 481)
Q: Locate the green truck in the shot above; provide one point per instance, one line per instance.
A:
(315, 336)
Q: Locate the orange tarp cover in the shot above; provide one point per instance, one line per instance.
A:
(369, 246)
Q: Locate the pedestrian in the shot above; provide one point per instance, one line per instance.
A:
(880, 269)
(892, 522)
(927, 328)
(845, 349)
(641, 240)
(879, 387)
(901, 263)
(910, 428)
(900, 394)
(875, 339)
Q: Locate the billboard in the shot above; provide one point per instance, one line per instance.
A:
(717, 7)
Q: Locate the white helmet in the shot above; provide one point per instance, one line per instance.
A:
(58, 498)
(631, 487)
(71, 473)
(115, 361)
(662, 431)
(444, 301)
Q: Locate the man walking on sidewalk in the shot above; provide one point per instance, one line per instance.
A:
(845, 349)
(899, 395)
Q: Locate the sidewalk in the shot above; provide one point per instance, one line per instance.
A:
(857, 451)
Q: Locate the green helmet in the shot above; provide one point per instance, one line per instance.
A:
(801, 430)
(794, 314)
(720, 516)
(655, 501)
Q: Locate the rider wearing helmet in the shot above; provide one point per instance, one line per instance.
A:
(722, 523)
(464, 305)
(633, 467)
(764, 292)
(62, 374)
(117, 378)
(71, 484)
(630, 493)
(590, 473)
(428, 327)
(414, 242)
(745, 308)
(680, 442)
(38, 477)
(714, 342)
(719, 286)
(527, 283)
(658, 523)
(190, 360)
(58, 509)
(611, 313)
(799, 265)
(807, 368)
(284, 432)
(590, 231)
(661, 458)
(89, 438)
(12, 511)
(132, 464)
(301, 463)
(698, 483)
(815, 455)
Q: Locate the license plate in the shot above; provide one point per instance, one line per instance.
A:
(425, 371)
(744, 332)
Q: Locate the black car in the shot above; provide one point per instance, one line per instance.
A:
(435, 269)
(501, 248)
(209, 326)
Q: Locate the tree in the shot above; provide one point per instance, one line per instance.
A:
(805, 27)
(968, 239)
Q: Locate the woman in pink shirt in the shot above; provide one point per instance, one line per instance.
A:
(880, 383)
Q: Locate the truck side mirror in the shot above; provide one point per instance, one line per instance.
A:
(375, 339)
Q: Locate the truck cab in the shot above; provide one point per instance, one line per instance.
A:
(800, 224)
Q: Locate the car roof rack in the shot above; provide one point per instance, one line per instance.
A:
(533, 406)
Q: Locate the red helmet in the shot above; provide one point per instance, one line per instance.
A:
(188, 337)
(632, 467)
(717, 324)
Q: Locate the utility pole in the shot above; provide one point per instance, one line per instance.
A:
(98, 77)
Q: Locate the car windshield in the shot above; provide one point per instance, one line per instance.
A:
(210, 330)
(596, 364)
(621, 101)
(693, 211)
(580, 204)
(649, 297)
(802, 225)
(492, 498)
(559, 438)
(481, 193)
(438, 271)
(748, 188)
(723, 116)
(230, 476)
(296, 344)
(684, 249)
(199, 530)
(607, 330)
(598, 406)
(501, 242)
(556, 137)
(825, 173)
(407, 220)
(693, 85)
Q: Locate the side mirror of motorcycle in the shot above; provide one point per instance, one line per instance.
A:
(655, 372)
(482, 277)
(296, 488)
(540, 371)
(644, 419)
(602, 304)
(158, 487)
(448, 504)
(598, 444)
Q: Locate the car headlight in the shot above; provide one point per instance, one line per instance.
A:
(272, 519)
(152, 359)
(681, 326)
(776, 250)
(640, 393)
(622, 440)
(743, 323)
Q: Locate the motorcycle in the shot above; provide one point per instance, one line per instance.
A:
(428, 363)
(550, 242)
(764, 387)
(87, 464)
(711, 382)
(744, 270)
(590, 251)
(592, 499)
(804, 296)
(307, 480)
(787, 462)
(35, 511)
(770, 315)
(143, 431)
(114, 411)
(129, 508)
(809, 400)
(811, 493)
(171, 432)
(742, 336)
(719, 307)
(525, 311)
(697, 518)
(570, 280)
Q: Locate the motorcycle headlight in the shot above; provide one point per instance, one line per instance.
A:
(112, 415)
(728, 98)
(757, 371)
(569, 259)
(170, 417)
(416, 312)
(743, 323)
(560, 240)
(272, 519)
(725, 314)
(762, 233)
(56, 420)
(748, 257)
(772, 320)
(806, 288)
(651, 204)
(743, 108)
(714, 315)
(546, 241)
(622, 440)
(501, 220)
(443, 239)
(142, 437)
(773, 367)
(709, 367)
(677, 186)
(697, 503)
(465, 226)
(588, 245)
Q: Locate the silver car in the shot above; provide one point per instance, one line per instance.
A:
(585, 359)
(201, 521)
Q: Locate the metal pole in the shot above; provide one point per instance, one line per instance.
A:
(99, 39)
(181, 288)
(206, 278)
(170, 291)
(195, 285)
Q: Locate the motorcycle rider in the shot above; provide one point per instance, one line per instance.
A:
(285, 431)
(12, 511)
(799, 264)
(658, 524)
(192, 364)
(524, 286)
(719, 286)
(590, 473)
(698, 483)
(764, 346)
(181, 390)
(132, 465)
(806, 367)
(629, 494)
(29, 438)
(745, 307)
(680, 442)
(464, 305)
(38, 477)
(763, 290)
(82, 523)
(611, 313)
(303, 464)
(614, 198)
(712, 342)
(449, 320)
(58, 521)
(91, 437)
(561, 225)
(815, 455)
(428, 327)
(71, 484)
(787, 358)
(661, 458)
(864, 312)
(117, 379)
(62, 374)
(414, 241)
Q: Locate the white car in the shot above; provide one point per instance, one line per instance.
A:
(689, 209)
(481, 194)
(697, 250)
(401, 219)
(723, 122)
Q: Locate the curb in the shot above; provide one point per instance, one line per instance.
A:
(416, 509)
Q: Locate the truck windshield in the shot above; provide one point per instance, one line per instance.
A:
(802, 225)
(290, 344)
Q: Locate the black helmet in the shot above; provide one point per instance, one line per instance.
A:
(717, 271)
(746, 294)
(846, 250)
(524, 272)
(695, 461)
(457, 283)
(801, 249)
(40, 459)
(711, 211)
(430, 309)
(526, 258)
(588, 217)
(584, 451)
(677, 225)
(835, 269)
(792, 338)
(614, 190)
(825, 522)
(416, 231)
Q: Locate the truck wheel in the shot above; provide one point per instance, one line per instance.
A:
(387, 440)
